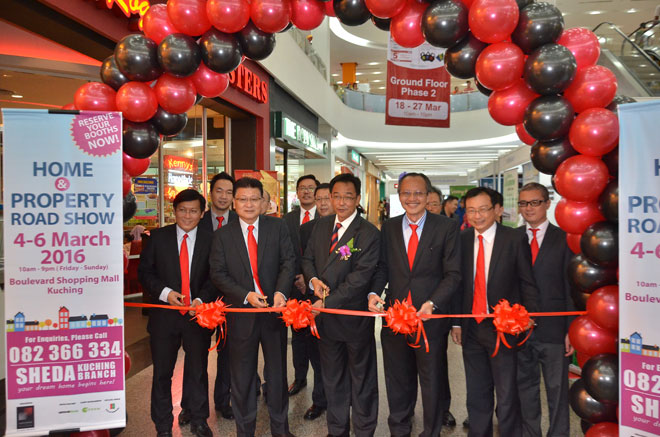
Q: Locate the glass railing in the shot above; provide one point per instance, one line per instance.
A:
(301, 39)
(376, 102)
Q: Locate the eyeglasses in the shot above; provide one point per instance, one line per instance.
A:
(533, 203)
(483, 210)
(346, 199)
(307, 189)
(243, 200)
(407, 194)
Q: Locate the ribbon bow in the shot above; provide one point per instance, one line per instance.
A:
(402, 318)
(299, 315)
(510, 320)
(211, 316)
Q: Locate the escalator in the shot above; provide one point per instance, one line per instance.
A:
(634, 58)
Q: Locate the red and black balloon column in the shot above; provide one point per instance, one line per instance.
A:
(541, 78)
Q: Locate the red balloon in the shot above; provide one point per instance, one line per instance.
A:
(524, 136)
(127, 363)
(228, 16)
(135, 166)
(189, 16)
(270, 16)
(573, 241)
(575, 217)
(582, 178)
(176, 95)
(329, 9)
(307, 14)
(582, 358)
(95, 433)
(126, 183)
(603, 429)
(156, 23)
(493, 21)
(137, 101)
(603, 307)
(593, 87)
(208, 83)
(589, 338)
(69, 106)
(500, 65)
(508, 106)
(95, 96)
(406, 26)
(595, 132)
(467, 3)
(584, 45)
(385, 8)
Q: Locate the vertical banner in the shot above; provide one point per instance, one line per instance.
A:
(63, 271)
(639, 262)
(510, 194)
(417, 86)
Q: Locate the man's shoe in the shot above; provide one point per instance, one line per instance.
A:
(449, 419)
(466, 422)
(297, 386)
(167, 433)
(201, 429)
(225, 411)
(184, 417)
(313, 412)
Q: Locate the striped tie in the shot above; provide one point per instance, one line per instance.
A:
(335, 237)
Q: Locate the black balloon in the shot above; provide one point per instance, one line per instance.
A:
(550, 69)
(539, 24)
(461, 58)
(137, 58)
(445, 23)
(110, 74)
(601, 377)
(255, 43)
(549, 118)
(523, 3)
(580, 299)
(221, 52)
(179, 55)
(600, 244)
(129, 206)
(140, 139)
(589, 408)
(547, 155)
(381, 23)
(585, 276)
(619, 100)
(288, 26)
(351, 12)
(612, 162)
(169, 124)
(609, 201)
(482, 89)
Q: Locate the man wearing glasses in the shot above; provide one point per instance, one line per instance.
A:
(496, 264)
(252, 262)
(420, 260)
(434, 204)
(339, 262)
(548, 347)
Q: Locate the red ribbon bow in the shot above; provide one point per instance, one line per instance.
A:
(299, 315)
(510, 320)
(402, 318)
(212, 315)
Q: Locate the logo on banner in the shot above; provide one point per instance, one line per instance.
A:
(97, 134)
(25, 417)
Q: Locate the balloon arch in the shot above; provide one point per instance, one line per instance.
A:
(541, 79)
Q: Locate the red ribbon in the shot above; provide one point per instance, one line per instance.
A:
(512, 320)
(299, 315)
(212, 316)
(402, 318)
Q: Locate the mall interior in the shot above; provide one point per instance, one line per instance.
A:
(322, 114)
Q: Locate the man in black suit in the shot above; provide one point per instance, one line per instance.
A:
(420, 258)
(548, 345)
(305, 186)
(221, 189)
(174, 269)
(496, 264)
(252, 262)
(347, 345)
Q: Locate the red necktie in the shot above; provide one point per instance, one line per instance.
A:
(220, 220)
(479, 301)
(306, 218)
(185, 274)
(534, 245)
(412, 246)
(335, 237)
(252, 249)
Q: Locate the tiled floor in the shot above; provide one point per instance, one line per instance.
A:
(139, 385)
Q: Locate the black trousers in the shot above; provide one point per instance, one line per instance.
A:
(305, 349)
(243, 356)
(403, 366)
(536, 357)
(444, 368)
(222, 385)
(350, 378)
(170, 330)
(485, 374)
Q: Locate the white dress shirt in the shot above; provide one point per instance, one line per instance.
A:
(489, 240)
(542, 229)
(407, 230)
(312, 212)
(190, 243)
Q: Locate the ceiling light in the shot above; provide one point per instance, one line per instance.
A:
(335, 74)
(376, 72)
(381, 88)
(505, 141)
(376, 80)
(359, 73)
(595, 12)
(632, 11)
(373, 63)
(17, 96)
(339, 82)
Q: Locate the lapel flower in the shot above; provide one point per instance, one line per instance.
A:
(347, 250)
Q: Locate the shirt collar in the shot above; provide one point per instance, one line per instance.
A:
(542, 227)
(244, 225)
(346, 223)
(311, 210)
(488, 234)
(419, 223)
(191, 234)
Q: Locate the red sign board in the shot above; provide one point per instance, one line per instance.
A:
(247, 82)
(177, 163)
(130, 7)
(417, 86)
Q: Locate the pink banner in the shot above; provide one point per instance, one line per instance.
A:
(640, 388)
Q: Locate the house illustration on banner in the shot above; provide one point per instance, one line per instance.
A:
(635, 345)
(99, 320)
(63, 318)
(19, 322)
(64, 321)
(77, 322)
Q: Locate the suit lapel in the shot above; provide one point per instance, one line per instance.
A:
(173, 251)
(425, 239)
(263, 241)
(399, 243)
(350, 233)
(498, 247)
(469, 254)
(548, 242)
(239, 243)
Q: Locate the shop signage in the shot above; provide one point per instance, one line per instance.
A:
(177, 163)
(130, 7)
(355, 157)
(247, 82)
(417, 86)
(293, 133)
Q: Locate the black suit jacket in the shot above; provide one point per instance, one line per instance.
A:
(206, 221)
(306, 232)
(292, 219)
(230, 266)
(550, 272)
(509, 273)
(349, 280)
(435, 275)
